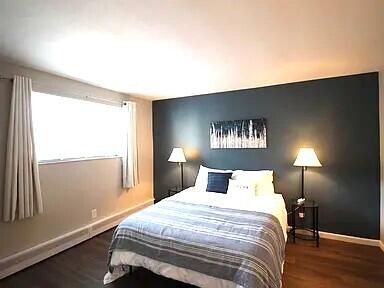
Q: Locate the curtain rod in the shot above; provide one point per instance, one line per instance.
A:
(5, 78)
(103, 100)
(96, 99)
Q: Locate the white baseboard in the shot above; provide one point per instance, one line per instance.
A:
(350, 239)
(42, 251)
(382, 245)
(346, 238)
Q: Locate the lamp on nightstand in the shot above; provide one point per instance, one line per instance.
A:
(178, 156)
(306, 158)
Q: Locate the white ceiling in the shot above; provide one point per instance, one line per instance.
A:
(164, 49)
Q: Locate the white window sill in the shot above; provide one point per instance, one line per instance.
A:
(55, 161)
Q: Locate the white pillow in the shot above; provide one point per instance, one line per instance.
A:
(202, 176)
(237, 188)
(261, 182)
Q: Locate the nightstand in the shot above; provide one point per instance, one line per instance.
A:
(174, 190)
(300, 228)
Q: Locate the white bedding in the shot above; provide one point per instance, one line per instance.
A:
(272, 204)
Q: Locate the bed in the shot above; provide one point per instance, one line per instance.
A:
(205, 239)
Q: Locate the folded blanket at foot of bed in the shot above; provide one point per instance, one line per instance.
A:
(245, 247)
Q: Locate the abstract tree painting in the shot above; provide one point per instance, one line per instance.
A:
(239, 134)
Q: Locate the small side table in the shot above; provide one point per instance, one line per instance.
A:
(174, 190)
(296, 210)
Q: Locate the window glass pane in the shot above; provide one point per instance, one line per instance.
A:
(67, 128)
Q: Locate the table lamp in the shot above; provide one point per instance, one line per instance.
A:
(306, 158)
(178, 156)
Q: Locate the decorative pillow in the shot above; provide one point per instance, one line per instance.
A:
(202, 177)
(240, 189)
(218, 182)
(261, 182)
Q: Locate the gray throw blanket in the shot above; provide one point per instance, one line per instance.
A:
(244, 247)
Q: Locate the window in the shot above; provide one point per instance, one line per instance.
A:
(67, 128)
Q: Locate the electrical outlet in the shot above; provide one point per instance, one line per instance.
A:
(94, 213)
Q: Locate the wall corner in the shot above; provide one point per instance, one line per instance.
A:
(381, 119)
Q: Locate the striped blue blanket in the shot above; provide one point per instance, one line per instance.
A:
(244, 247)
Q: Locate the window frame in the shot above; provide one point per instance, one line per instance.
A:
(80, 159)
(87, 158)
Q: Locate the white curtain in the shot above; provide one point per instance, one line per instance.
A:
(130, 173)
(22, 193)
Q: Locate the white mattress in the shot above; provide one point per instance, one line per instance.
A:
(271, 204)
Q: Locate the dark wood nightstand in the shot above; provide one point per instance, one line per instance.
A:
(174, 190)
(299, 215)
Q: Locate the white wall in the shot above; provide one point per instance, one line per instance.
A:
(70, 190)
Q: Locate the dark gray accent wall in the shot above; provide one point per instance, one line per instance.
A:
(339, 117)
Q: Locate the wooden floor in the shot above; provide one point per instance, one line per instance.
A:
(334, 264)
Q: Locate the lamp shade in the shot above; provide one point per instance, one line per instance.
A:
(177, 155)
(307, 158)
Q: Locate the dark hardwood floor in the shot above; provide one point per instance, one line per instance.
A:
(334, 264)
